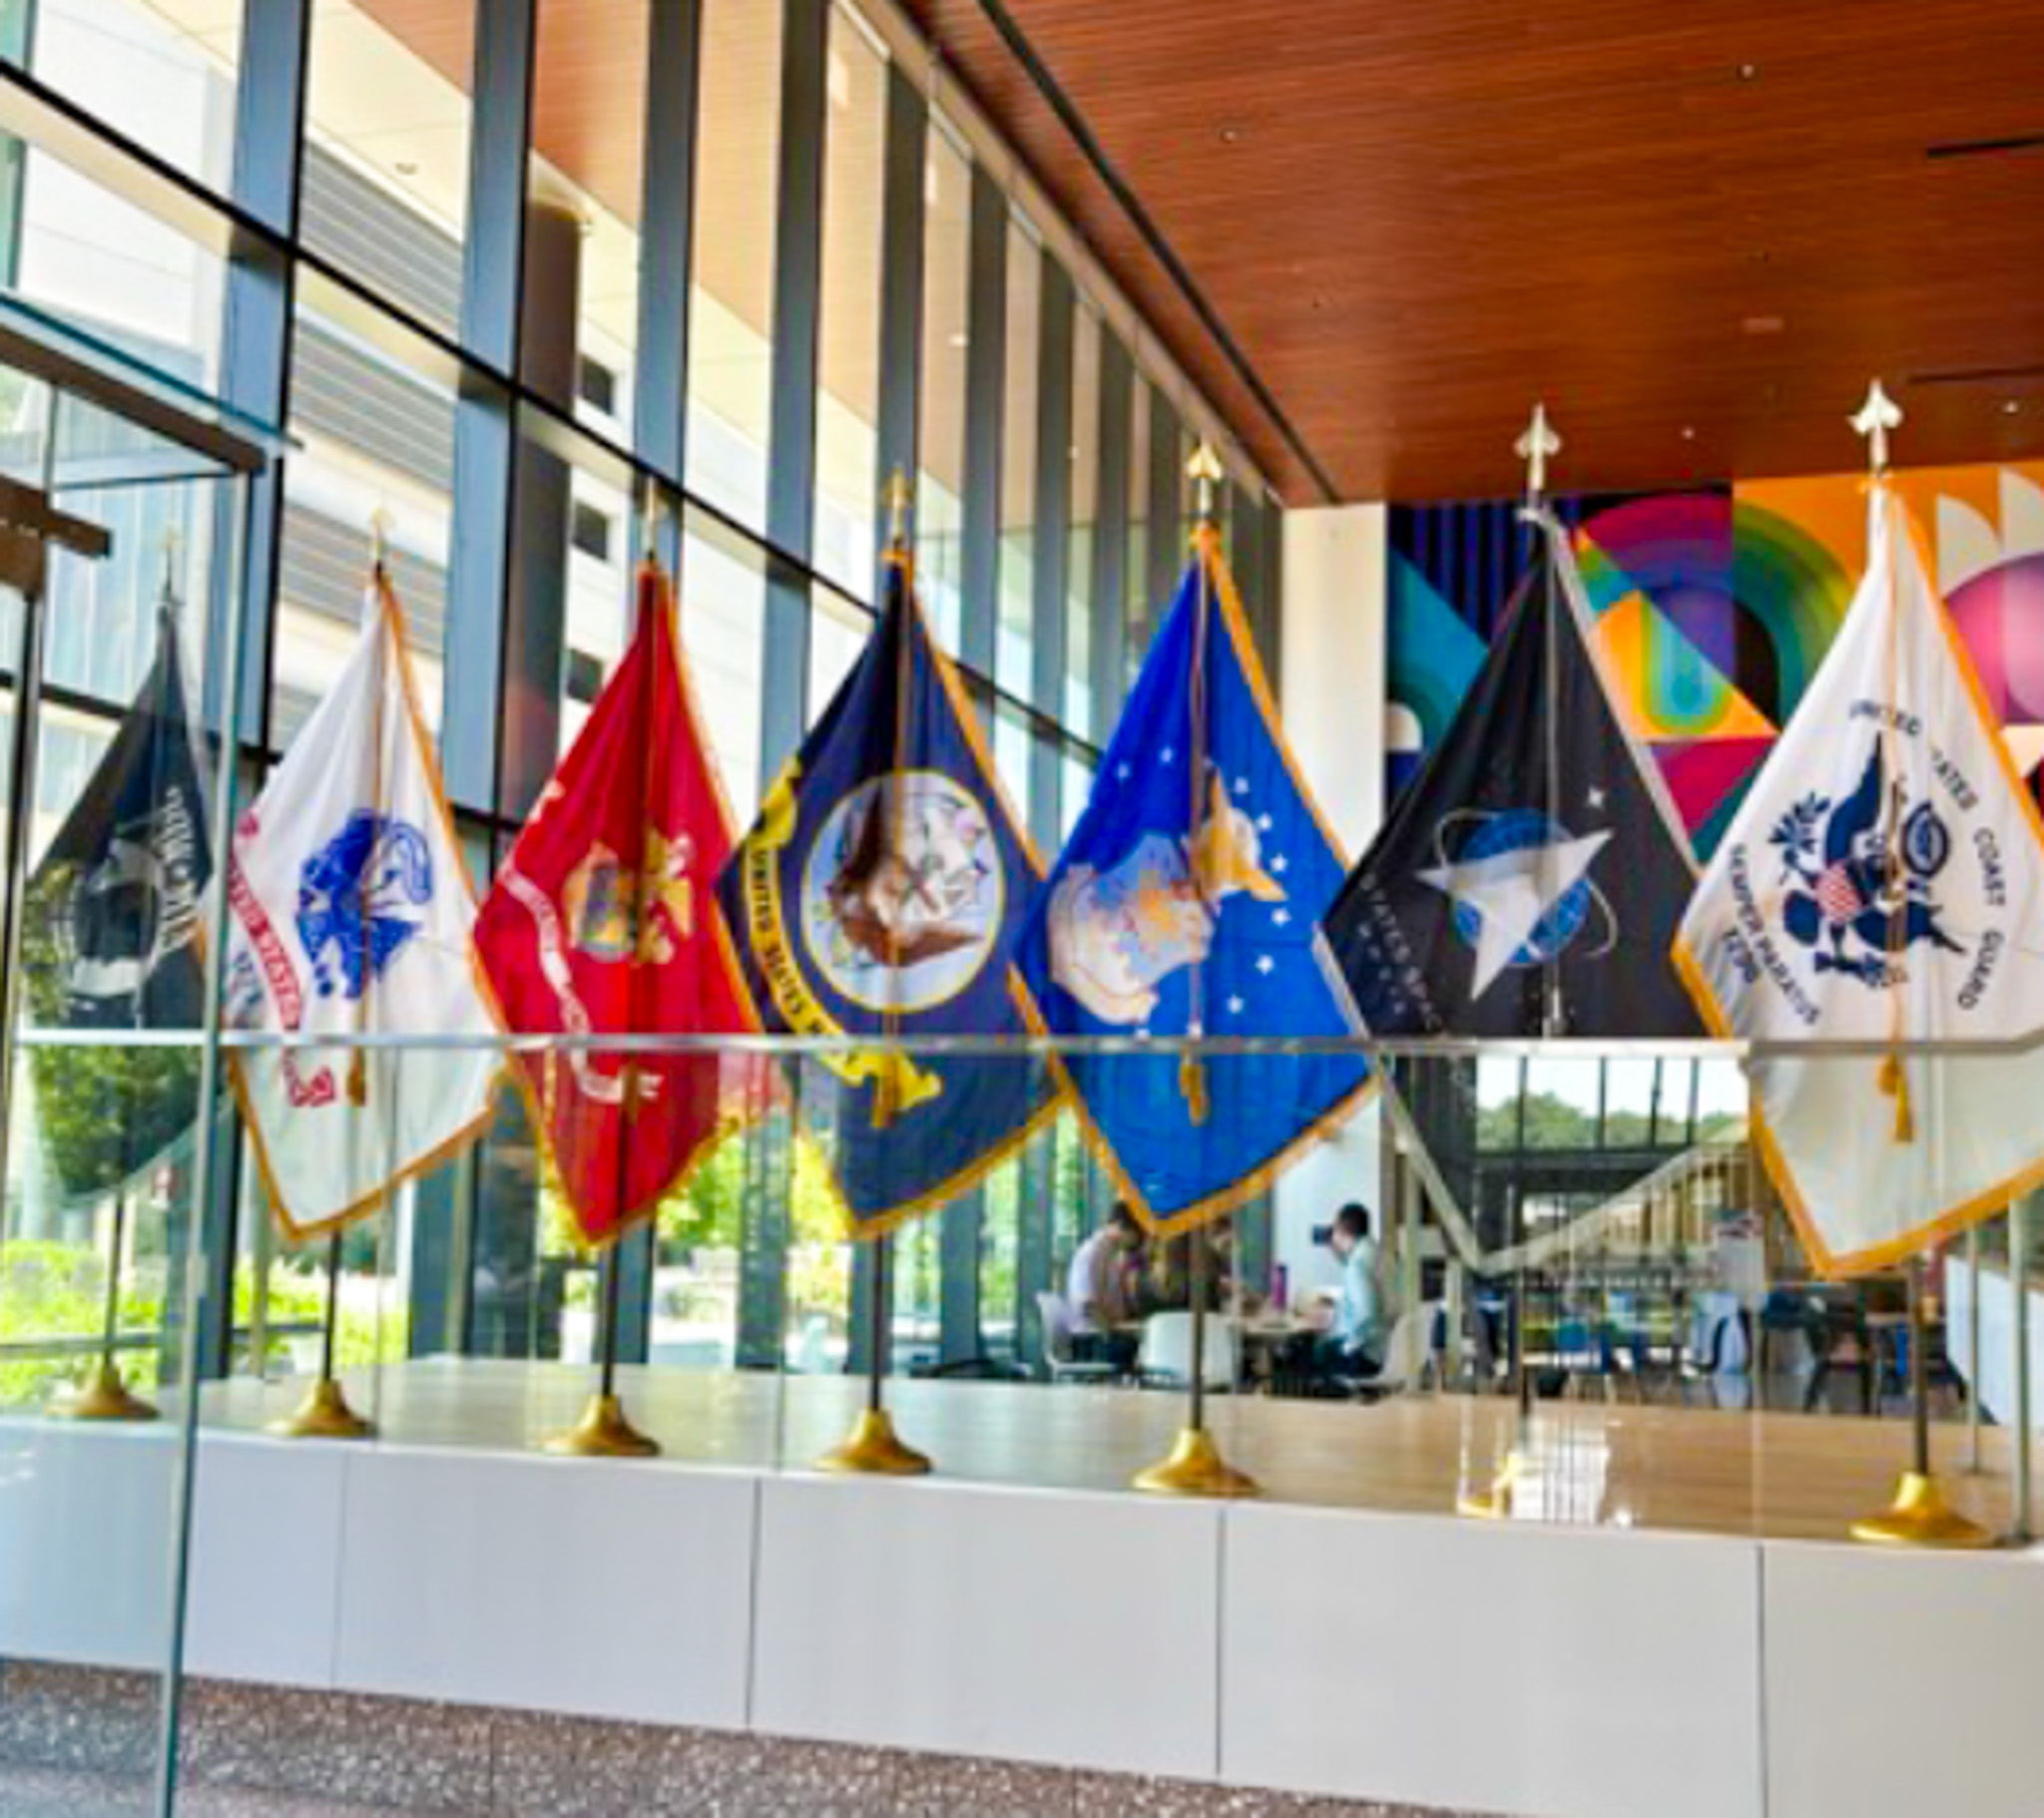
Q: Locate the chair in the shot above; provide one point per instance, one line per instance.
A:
(1057, 1362)
(1408, 1356)
(1166, 1359)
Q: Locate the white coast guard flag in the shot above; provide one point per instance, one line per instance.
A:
(1884, 881)
(349, 912)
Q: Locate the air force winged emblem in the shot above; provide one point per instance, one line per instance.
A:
(1860, 874)
(354, 897)
(1116, 935)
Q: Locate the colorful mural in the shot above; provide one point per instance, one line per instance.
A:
(1714, 608)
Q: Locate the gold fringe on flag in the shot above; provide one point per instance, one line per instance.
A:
(1192, 1081)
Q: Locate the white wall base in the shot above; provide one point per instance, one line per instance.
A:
(1546, 1671)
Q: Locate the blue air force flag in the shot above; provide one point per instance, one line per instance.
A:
(878, 894)
(1529, 881)
(1884, 881)
(351, 913)
(1184, 903)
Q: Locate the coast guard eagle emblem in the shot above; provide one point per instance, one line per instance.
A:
(1860, 873)
(354, 895)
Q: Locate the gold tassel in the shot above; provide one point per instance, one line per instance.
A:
(1192, 1081)
(1894, 1081)
(886, 1097)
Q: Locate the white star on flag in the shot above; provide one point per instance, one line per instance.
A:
(1241, 785)
(1263, 824)
(1235, 1007)
(1265, 964)
(1121, 772)
(1595, 798)
(1165, 755)
(1281, 917)
(1279, 862)
(1511, 893)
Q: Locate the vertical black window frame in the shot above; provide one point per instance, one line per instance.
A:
(985, 405)
(1165, 556)
(667, 225)
(1110, 664)
(1049, 534)
(902, 287)
(900, 353)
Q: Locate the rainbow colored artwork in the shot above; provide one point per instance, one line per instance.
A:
(1715, 606)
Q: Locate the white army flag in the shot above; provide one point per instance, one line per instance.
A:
(351, 913)
(1884, 881)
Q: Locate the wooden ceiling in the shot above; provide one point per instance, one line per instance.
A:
(1695, 231)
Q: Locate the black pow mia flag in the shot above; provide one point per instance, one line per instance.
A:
(115, 903)
(1530, 881)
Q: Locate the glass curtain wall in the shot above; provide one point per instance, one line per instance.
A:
(516, 270)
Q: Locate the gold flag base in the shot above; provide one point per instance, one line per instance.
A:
(102, 1396)
(602, 1432)
(323, 1414)
(1196, 1468)
(875, 1450)
(1920, 1516)
(1495, 1504)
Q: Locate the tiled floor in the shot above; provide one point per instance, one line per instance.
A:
(40, 1793)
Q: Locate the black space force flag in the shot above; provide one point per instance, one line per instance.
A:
(1531, 880)
(114, 907)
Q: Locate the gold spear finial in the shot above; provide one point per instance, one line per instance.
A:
(381, 523)
(1205, 473)
(1874, 419)
(899, 496)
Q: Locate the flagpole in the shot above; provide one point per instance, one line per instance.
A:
(1920, 1516)
(873, 1448)
(2023, 1525)
(604, 1429)
(1195, 1466)
(1536, 447)
(106, 1395)
(324, 1412)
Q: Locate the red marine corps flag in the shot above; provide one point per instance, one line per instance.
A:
(605, 922)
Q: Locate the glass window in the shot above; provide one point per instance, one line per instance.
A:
(837, 633)
(163, 74)
(387, 123)
(373, 435)
(848, 352)
(588, 157)
(722, 620)
(946, 283)
(731, 299)
(101, 263)
(1014, 641)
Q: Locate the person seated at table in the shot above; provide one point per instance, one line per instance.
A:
(1099, 1290)
(1353, 1344)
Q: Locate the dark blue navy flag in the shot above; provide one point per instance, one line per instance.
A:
(114, 905)
(879, 894)
(1531, 879)
(1185, 903)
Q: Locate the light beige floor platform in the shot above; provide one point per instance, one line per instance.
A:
(1773, 1474)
